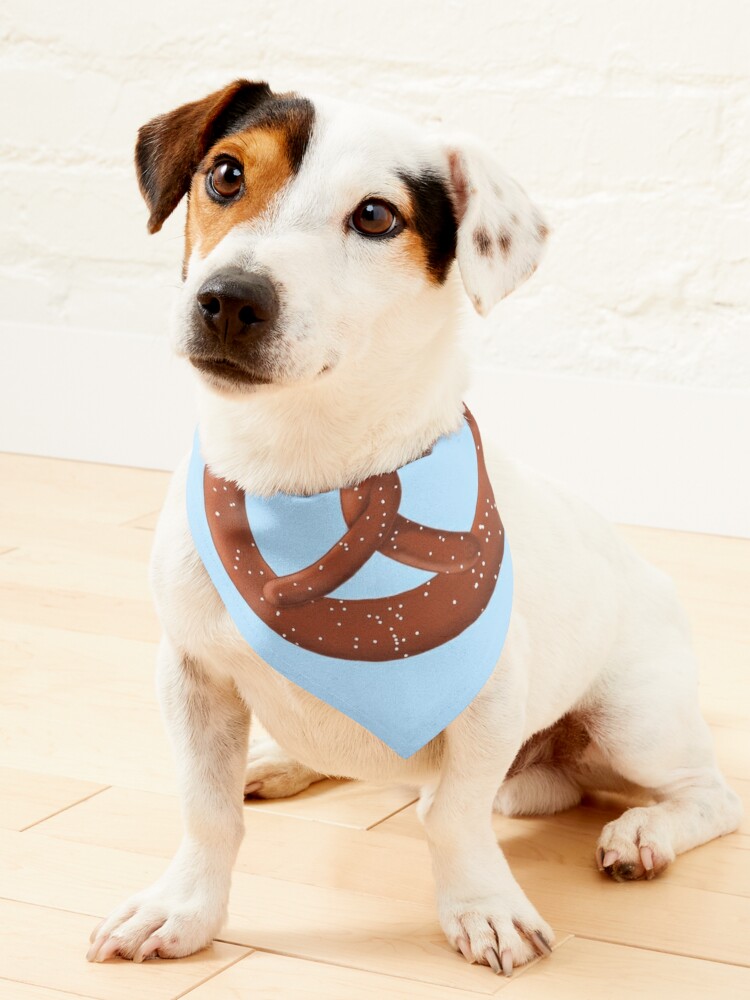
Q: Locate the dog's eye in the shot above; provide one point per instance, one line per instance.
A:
(224, 182)
(374, 217)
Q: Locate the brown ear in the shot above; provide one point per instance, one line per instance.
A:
(170, 147)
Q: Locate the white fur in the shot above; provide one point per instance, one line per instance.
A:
(594, 629)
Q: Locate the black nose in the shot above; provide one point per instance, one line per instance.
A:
(234, 305)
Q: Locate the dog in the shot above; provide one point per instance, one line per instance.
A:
(327, 250)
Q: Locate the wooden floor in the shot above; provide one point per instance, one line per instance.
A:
(332, 895)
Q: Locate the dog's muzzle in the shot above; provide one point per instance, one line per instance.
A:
(233, 314)
(235, 309)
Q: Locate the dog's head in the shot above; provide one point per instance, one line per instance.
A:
(312, 225)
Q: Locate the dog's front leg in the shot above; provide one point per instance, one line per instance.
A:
(183, 910)
(484, 912)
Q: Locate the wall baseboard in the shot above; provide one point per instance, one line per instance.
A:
(650, 454)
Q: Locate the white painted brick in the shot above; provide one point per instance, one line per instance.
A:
(629, 123)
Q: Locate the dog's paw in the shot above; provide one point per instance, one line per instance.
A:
(492, 932)
(272, 774)
(153, 925)
(636, 845)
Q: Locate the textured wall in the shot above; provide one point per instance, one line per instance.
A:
(629, 123)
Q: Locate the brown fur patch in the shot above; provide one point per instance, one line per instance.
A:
(482, 242)
(560, 745)
(170, 147)
(542, 231)
(412, 249)
(504, 241)
(264, 155)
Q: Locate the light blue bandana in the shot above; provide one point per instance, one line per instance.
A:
(390, 601)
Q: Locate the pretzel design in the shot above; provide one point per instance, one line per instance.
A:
(298, 606)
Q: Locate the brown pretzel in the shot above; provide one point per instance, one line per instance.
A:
(373, 629)
(372, 506)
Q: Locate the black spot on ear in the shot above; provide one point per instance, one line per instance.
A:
(504, 241)
(482, 242)
(433, 219)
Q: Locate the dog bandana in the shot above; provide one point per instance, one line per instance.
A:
(389, 600)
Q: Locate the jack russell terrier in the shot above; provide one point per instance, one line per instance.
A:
(333, 556)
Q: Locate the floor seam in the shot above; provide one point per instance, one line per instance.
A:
(71, 805)
(665, 951)
(358, 968)
(395, 812)
(219, 972)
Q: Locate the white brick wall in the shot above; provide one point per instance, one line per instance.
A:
(628, 121)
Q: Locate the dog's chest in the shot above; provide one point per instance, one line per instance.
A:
(198, 623)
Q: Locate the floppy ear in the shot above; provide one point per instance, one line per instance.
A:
(170, 147)
(501, 234)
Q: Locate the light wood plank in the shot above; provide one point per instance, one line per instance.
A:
(117, 675)
(79, 611)
(570, 838)
(391, 860)
(339, 926)
(45, 948)
(712, 576)
(358, 804)
(275, 846)
(147, 522)
(276, 977)
(27, 798)
(26, 991)
(712, 566)
(71, 701)
(583, 968)
(732, 751)
(79, 491)
(51, 566)
(20, 527)
(679, 909)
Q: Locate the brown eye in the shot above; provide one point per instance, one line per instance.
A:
(374, 217)
(225, 180)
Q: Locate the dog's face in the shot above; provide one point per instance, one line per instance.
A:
(312, 227)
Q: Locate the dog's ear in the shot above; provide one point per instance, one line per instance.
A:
(501, 234)
(170, 147)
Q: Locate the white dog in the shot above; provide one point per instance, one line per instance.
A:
(319, 308)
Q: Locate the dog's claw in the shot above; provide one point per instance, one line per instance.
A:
(609, 858)
(254, 786)
(493, 961)
(506, 963)
(107, 950)
(541, 943)
(149, 949)
(600, 858)
(94, 949)
(95, 933)
(647, 860)
(463, 947)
